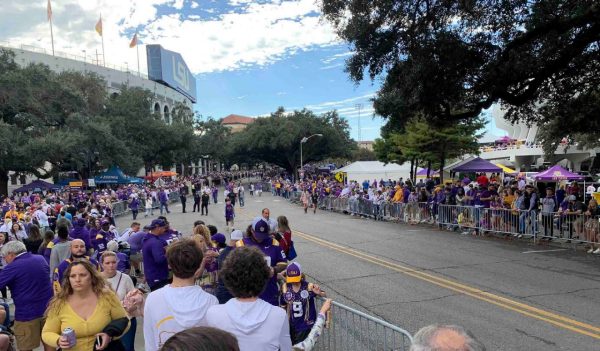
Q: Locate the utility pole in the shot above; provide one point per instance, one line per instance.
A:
(359, 108)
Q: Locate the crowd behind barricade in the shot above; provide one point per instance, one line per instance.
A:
(80, 283)
(509, 206)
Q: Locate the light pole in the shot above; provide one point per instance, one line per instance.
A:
(302, 141)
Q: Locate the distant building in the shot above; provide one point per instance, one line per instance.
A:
(365, 145)
(236, 123)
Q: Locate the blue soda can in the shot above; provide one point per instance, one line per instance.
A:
(69, 334)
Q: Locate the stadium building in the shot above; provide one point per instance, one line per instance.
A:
(168, 78)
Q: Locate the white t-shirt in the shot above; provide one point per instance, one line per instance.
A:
(121, 287)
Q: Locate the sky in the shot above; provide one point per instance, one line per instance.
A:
(249, 56)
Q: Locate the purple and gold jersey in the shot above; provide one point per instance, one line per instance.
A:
(300, 306)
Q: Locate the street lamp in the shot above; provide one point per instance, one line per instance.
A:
(302, 141)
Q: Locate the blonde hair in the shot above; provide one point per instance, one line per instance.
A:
(201, 232)
(107, 253)
(99, 286)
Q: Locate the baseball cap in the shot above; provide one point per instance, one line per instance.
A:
(112, 246)
(237, 235)
(104, 222)
(293, 273)
(157, 223)
(218, 238)
(260, 227)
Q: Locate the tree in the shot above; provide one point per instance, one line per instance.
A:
(276, 139)
(52, 122)
(425, 144)
(449, 60)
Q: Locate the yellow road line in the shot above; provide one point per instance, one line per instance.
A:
(524, 309)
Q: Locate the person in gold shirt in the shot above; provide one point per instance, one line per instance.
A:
(88, 306)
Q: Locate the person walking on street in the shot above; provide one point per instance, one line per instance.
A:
(163, 198)
(241, 194)
(197, 197)
(205, 199)
(229, 213)
(183, 190)
(134, 206)
(154, 256)
(149, 203)
(315, 200)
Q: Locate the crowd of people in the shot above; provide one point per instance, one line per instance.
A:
(83, 280)
(508, 205)
(79, 283)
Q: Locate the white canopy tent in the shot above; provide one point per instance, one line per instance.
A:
(369, 170)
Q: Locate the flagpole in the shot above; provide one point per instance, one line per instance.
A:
(103, 55)
(52, 36)
(137, 48)
(49, 12)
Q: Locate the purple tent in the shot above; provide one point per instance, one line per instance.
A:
(505, 140)
(423, 173)
(477, 165)
(36, 185)
(556, 173)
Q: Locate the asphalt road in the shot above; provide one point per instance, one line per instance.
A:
(511, 295)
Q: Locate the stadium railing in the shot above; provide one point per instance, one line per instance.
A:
(351, 329)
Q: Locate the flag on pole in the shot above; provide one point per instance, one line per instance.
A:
(49, 10)
(99, 26)
(134, 41)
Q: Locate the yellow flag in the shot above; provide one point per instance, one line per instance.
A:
(49, 11)
(134, 41)
(99, 26)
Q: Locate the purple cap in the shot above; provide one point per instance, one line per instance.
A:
(104, 222)
(157, 223)
(293, 273)
(260, 227)
(219, 238)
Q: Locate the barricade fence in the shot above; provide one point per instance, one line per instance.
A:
(122, 207)
(534, 224)
(350, 329)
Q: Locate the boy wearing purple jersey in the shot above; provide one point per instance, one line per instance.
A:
(273, 255)
(229, 212)
(298, 299)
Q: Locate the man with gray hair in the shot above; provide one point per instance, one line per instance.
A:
(26, 275)
(437, 337)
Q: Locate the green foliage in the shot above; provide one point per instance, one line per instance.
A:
(69, 122)
(362, 154)
(446, 61)
(424, 143)
(276, 139)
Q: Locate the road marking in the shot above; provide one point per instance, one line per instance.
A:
(541, 251)
(521, 308)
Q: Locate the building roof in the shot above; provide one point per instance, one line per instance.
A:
(237, 119)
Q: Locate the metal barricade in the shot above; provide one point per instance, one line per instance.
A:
(350, 329)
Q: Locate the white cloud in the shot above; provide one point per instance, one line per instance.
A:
(332, 66)
(330, 105)
(257, 34)
(280, 93)
(178, 4)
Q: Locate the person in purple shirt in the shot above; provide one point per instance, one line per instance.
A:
(80, 231)
(26, 275)
(78, 253)
(134, 206)
(274, 256)
(156, 267)
(298, 299)
(405, 193)
(163, 199)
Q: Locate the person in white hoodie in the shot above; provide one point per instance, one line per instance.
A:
(256, 324)
(180, 305)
